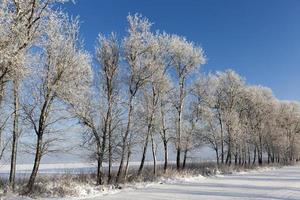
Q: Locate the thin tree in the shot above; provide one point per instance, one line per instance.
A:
(185, 59)
(139, 46)
(108, 52)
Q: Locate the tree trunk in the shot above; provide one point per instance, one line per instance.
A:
(259, 156)
(100, 158)
(184, 158)
(153, 154)
(178, 130)
(236, 158)
(178, 147)
(127, 164)
(249, 156)
(164, 137)
(109, 155)
(144, 151)
(124, 141)
(217, 156)
(99, 174)
(228, 158)
(37, 160)
(178, 158)
(222, 138)
(15, 136)
(260, 150)
(240, 157)
(166, 155)
(254, 156)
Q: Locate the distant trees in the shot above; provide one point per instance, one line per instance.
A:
(245, 118)
(144, 89)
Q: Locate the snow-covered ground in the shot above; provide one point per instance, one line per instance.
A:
(277, 183)
(283, 183)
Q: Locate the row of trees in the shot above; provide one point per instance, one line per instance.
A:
(144, 92)
(245, 123)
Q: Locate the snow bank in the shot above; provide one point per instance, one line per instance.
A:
(181, 179)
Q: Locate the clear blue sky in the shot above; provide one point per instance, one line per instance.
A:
(260, 39)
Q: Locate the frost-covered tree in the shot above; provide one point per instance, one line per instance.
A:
(256, 108)
(139, 47)
(99, 112)
(151, 95)
(108, 53)
(288, 120)
(22, 26)
(185, 58)
(62, 76)
(205, 107)
(227, 93)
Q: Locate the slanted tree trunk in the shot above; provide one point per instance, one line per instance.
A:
(124, 140)
(145, 149)
(40, 129)
(37, 160)
(127, 163)
(184, 158)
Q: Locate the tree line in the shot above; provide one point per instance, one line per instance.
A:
(144, 91)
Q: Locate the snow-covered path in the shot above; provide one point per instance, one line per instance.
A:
(281, 183)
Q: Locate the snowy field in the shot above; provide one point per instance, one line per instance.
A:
(70, 168)
(264, 184)
(283, 183)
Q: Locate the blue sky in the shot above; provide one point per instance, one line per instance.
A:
(260, 39)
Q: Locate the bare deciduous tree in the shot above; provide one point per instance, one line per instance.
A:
(63, 75)
(185, 58)
(139, 47)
